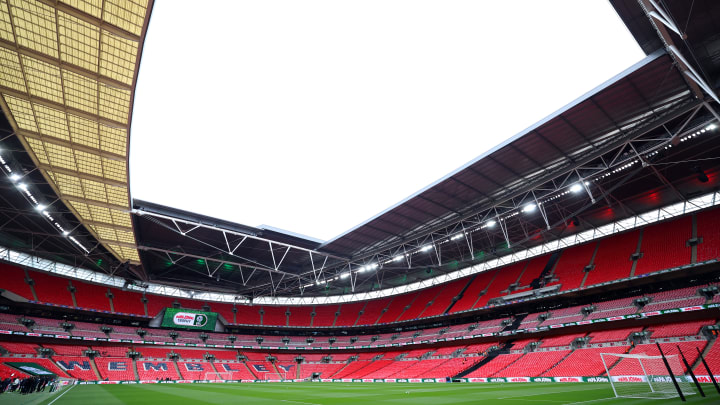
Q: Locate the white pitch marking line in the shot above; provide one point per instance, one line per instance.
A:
(592, 400)
(532, 395)
(297, 402)
(68, 390)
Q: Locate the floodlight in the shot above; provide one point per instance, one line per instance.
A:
(529, 208)
(576, 188)
(491, 223)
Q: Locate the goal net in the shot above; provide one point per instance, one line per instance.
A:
(60, 384)
(273, 376)
(645, 376)
(221, 376)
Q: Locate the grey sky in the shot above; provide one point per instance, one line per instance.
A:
(313, 116)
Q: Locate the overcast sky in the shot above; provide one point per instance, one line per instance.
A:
(315, 115)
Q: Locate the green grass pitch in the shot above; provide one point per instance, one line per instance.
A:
(341, 393)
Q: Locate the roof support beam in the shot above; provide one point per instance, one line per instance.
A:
(650, 6)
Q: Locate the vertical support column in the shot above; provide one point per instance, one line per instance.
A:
(637, 250)
(693, 258)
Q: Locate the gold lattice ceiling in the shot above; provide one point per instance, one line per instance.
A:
(67, 77)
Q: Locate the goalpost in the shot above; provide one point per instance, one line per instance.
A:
(220, 376)
(270, 376)
(645, 376)
(61, 383)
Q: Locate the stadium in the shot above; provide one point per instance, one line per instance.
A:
(577, 262)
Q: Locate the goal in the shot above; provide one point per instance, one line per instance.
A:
(221, 376)
(645, 376)
(274, 376)
(60, 384)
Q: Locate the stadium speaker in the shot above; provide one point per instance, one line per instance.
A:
(701, 176)
(575, 221)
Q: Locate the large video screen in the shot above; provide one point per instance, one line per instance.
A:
(189, 319)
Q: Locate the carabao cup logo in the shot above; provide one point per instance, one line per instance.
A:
(188, 319)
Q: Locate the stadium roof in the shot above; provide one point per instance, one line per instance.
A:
(68, 74)
(632, 144)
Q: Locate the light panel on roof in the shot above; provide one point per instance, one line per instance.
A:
(67, 74)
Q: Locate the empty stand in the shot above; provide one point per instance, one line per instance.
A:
(562, 340)
(77, 367)
(708, 228)
(570, 268)
(420, 303)
(584, 362)
(157, 303)
(371, 311)
(127, 302)
(67, 350)
(476, 287)
(617, 335)
(664, 246)
(445, 297)
(505, 276)
(115, 369)
(612, 260)
(154, 370)
(677, 329)
(224, 310)
(274, 316)
(325, 315)
(91, 296)
(495, 365)
(194, 370)
(19, 348)
(397, 307)
(248, 315)
(300, 316)
(350, 313)
(533, 364)
(532, 271)
(51, 289)
(14, 281)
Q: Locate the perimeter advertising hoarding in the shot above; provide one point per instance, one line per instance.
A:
(189, 319)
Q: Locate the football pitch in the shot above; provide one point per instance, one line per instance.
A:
(342, 393)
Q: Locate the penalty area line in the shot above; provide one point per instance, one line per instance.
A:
(68, 390)
(592, 400)
(296, 402)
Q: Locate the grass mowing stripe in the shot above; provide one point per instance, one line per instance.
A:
(354, 394)
(554, 392)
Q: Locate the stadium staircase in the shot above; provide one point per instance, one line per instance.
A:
(250, 370)
(490, 357)
(549, 266)
(214, 369)
(177, 369)
(340, 370)
(135, 371)
(95, 368)
(611, 366)
(556, 364)
(592, 263)
(460, 295)
(516, 322)
(698, 367)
